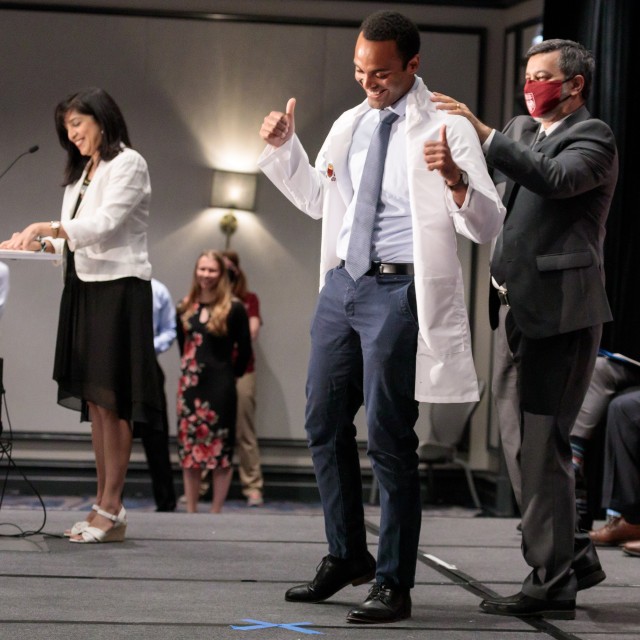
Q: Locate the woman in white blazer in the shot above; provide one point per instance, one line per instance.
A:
(105, 361)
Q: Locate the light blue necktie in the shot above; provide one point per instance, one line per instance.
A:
(358, 260)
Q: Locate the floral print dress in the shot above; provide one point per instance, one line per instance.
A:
(207, 400)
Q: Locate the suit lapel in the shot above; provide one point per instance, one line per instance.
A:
(527, 136)
(90, 192)
(577, 116)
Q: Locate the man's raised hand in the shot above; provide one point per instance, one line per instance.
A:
(277, 128)
(437, 155)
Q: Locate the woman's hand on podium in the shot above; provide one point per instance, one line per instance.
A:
(27, 240)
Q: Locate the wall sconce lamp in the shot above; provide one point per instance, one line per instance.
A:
(233, 191)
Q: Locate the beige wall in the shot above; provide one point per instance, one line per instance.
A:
(194, 94)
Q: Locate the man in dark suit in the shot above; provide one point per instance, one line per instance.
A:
(557, 172)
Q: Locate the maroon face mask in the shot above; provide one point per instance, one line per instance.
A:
(541, 97)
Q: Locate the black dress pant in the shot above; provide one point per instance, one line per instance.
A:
(156, 448)
(621, 485)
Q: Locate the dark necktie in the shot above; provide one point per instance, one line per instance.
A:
(497, 269)
(358, 259)
(541, 136)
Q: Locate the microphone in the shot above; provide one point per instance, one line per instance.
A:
(32, 149)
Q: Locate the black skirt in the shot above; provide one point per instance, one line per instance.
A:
(104, 351)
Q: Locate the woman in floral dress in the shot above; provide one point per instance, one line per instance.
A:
(211, 322)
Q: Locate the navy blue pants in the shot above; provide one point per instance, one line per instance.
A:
(363, 349)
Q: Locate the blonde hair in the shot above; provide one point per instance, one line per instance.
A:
(219, 307)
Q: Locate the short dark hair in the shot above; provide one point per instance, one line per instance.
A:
(391, 25)
(575, 60)
(103, 108)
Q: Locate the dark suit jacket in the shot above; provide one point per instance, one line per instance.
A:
(557, 201)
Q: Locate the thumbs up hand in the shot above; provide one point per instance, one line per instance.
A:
(279, 127)
(437, 155)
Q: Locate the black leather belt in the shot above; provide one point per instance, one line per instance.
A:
(388, 268)
(504, 298)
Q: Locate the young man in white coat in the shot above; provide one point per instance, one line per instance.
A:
(397, 333)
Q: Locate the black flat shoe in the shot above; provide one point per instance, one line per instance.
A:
(383, 604)
(332, 575)
(526, 606)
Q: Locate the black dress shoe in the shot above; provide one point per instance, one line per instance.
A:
(526, 606)
(586, 564)
(333, 574)
(383, 604)
(589, 576)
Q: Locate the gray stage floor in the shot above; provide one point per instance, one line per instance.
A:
(222, 577)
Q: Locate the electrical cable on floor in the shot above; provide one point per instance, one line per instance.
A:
(6, 446)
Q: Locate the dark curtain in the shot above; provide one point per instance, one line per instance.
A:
(607, 28)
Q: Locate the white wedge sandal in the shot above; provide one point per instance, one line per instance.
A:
(93, 535)
(79, 526)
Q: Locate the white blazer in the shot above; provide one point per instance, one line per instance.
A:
(109, 232)
(444, 368)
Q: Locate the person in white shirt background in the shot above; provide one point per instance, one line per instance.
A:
(4, 285)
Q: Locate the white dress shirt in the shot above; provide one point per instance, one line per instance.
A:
(392, 231)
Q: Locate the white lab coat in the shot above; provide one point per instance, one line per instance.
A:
(444, 365)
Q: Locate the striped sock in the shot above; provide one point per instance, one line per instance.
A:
(578, 447)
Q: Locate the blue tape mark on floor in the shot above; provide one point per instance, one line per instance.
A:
(291, 626)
